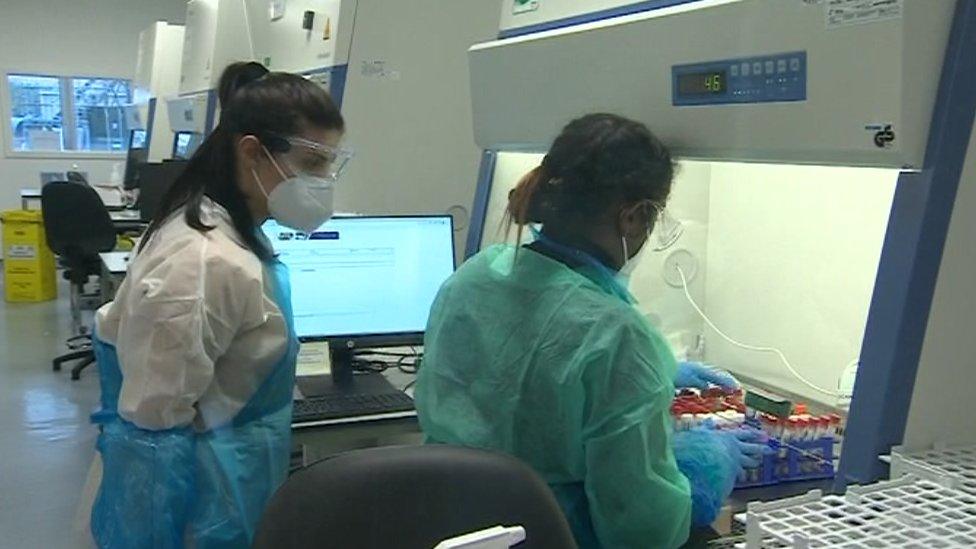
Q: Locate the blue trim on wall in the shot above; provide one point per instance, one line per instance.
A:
(646, 5)
(337, 85)
(209, 125)
(337, 80)
(480, 208)
(150, 120)
(909, 267)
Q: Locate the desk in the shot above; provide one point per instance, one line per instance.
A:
(27, 195)
(112, 200)
(740, 499)
(112, 195)
(114, 267)
(125, 216)
(322, 439)
(127, 220)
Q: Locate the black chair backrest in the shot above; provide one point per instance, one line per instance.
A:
(411, 497)
(76, 221)
(76, 177)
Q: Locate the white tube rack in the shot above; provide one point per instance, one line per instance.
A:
(909, 512)
(951, 466)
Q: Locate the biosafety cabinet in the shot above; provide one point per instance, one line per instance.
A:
(303, 36)
(158, 77)
(309, 37)
(300, 36)
(216, 35)
(826, 187)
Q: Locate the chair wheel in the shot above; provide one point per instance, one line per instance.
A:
(56, 365)
(75, 376)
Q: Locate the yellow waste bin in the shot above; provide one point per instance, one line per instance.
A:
(30, 272)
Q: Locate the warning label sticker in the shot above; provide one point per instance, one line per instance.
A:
(20, 251)
(842, 13)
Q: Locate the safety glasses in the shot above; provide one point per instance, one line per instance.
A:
(663, 227)
(324, 162)
(666, 229)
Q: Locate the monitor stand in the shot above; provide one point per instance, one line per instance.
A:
(344, 381)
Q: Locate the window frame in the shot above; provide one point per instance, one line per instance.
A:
(68, 123)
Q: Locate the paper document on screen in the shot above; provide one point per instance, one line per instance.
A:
(314, 359)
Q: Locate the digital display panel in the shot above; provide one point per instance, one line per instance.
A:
(702, 83)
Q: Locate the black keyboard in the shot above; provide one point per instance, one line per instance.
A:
(342, 405)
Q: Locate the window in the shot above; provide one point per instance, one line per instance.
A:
(98, 113)
(35, 112)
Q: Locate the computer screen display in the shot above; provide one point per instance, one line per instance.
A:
(365, 276)
(137, 139)
(185, 144)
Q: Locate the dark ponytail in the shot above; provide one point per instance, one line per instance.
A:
(270, 106)
(524, 201)
(236, 76)
(595, 162)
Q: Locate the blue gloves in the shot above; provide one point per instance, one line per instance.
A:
(712, 460)
(746, 446)
(695, 375)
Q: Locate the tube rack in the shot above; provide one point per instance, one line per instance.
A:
(908, 512)
(953, 466)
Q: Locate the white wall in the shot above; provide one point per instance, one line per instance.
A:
(792, 258)
(666, 306)
(79, 37)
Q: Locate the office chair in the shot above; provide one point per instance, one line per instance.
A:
(78, 228)
(410, 497)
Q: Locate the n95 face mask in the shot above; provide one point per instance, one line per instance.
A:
(302, 202)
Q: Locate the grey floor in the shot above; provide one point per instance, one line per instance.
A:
(46, 441)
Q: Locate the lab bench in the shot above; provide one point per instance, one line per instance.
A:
(114, 266)
(317, 440)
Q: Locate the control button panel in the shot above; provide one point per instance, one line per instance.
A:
(761, 79)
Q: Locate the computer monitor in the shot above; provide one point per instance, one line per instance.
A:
(154, 181)
(137, 155)
(137, 139)
(361, 282)
(185, 144)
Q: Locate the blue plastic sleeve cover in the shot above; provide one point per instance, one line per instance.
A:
(711, 471)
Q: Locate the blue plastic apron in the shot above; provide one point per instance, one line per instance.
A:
(177, 487)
